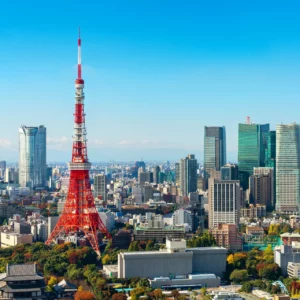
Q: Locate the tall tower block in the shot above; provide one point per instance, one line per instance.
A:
(79, 215)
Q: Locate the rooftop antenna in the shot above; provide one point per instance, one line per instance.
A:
(79, 55)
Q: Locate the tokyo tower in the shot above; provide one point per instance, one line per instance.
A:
(79, 214)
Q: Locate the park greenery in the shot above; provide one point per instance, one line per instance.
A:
(204, 240)
(255, 264)
(80, 266)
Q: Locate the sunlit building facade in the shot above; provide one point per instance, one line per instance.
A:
(288, 168)
(32, 156)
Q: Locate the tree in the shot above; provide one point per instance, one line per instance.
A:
(149, 246)
(268, 271)
(119, 296)
(239, 276)
(51, 283)
(269, 254)
(205, 240)
(246, 287)
(158, 294)
(74, 273)
(134, 246)
(106, 259)
(143, 282)
(84, 295)
(137, 292)
(175, 294)
(56, 265)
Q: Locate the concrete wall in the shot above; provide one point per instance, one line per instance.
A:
(154, 264)
(208, 282)
(209, 260)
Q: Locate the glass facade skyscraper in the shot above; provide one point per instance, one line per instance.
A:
(214, 148)
(32, 156)
(288, 168)
(251, 149)
(270, 151)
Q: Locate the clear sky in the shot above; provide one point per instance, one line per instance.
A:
(156, 72)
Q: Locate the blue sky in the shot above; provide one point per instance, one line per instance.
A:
(156, 72)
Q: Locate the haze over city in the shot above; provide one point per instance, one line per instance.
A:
(153, 82)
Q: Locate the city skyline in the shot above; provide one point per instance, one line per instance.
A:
(140, 66)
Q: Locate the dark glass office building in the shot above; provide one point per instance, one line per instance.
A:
(251, 149)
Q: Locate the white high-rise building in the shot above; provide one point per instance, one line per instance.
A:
(288, 168)
(224, 202)
(32, 156)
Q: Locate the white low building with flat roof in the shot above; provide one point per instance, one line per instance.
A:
(175, 262)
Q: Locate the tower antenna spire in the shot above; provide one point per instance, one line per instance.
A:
(79, 55)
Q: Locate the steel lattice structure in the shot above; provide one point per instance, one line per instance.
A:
(79, 214)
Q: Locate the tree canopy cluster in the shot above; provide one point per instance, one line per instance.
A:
(204, 240)
(256, 265)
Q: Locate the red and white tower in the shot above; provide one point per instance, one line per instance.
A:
(79, 214)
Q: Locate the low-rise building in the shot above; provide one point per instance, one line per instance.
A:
(288, 238)
(190, 280)
(108, 219)
(122, 239)
(226, 235)
(293, 270)
(21, 282)
(294, 220)
(176, 260)
(255, 231)
(159, 234)
(10, 239)
(285, 254)
(254, 211)
(65, 289)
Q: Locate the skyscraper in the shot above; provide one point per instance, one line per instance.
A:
(224, 202)
(288, 168)
(3, 164)
(261, 187)
(188, 175)
(270, 159)
(214, 148)
(156, 171)
(251, 149)
(32, 156)
(100, 186)
(270, 151)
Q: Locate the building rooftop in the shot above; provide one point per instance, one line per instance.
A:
(160, 228)
(287, 234)
(21, 273)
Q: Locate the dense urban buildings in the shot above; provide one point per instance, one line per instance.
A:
(214, 149)
(32, 156)
(288, 168)
(230, 172)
